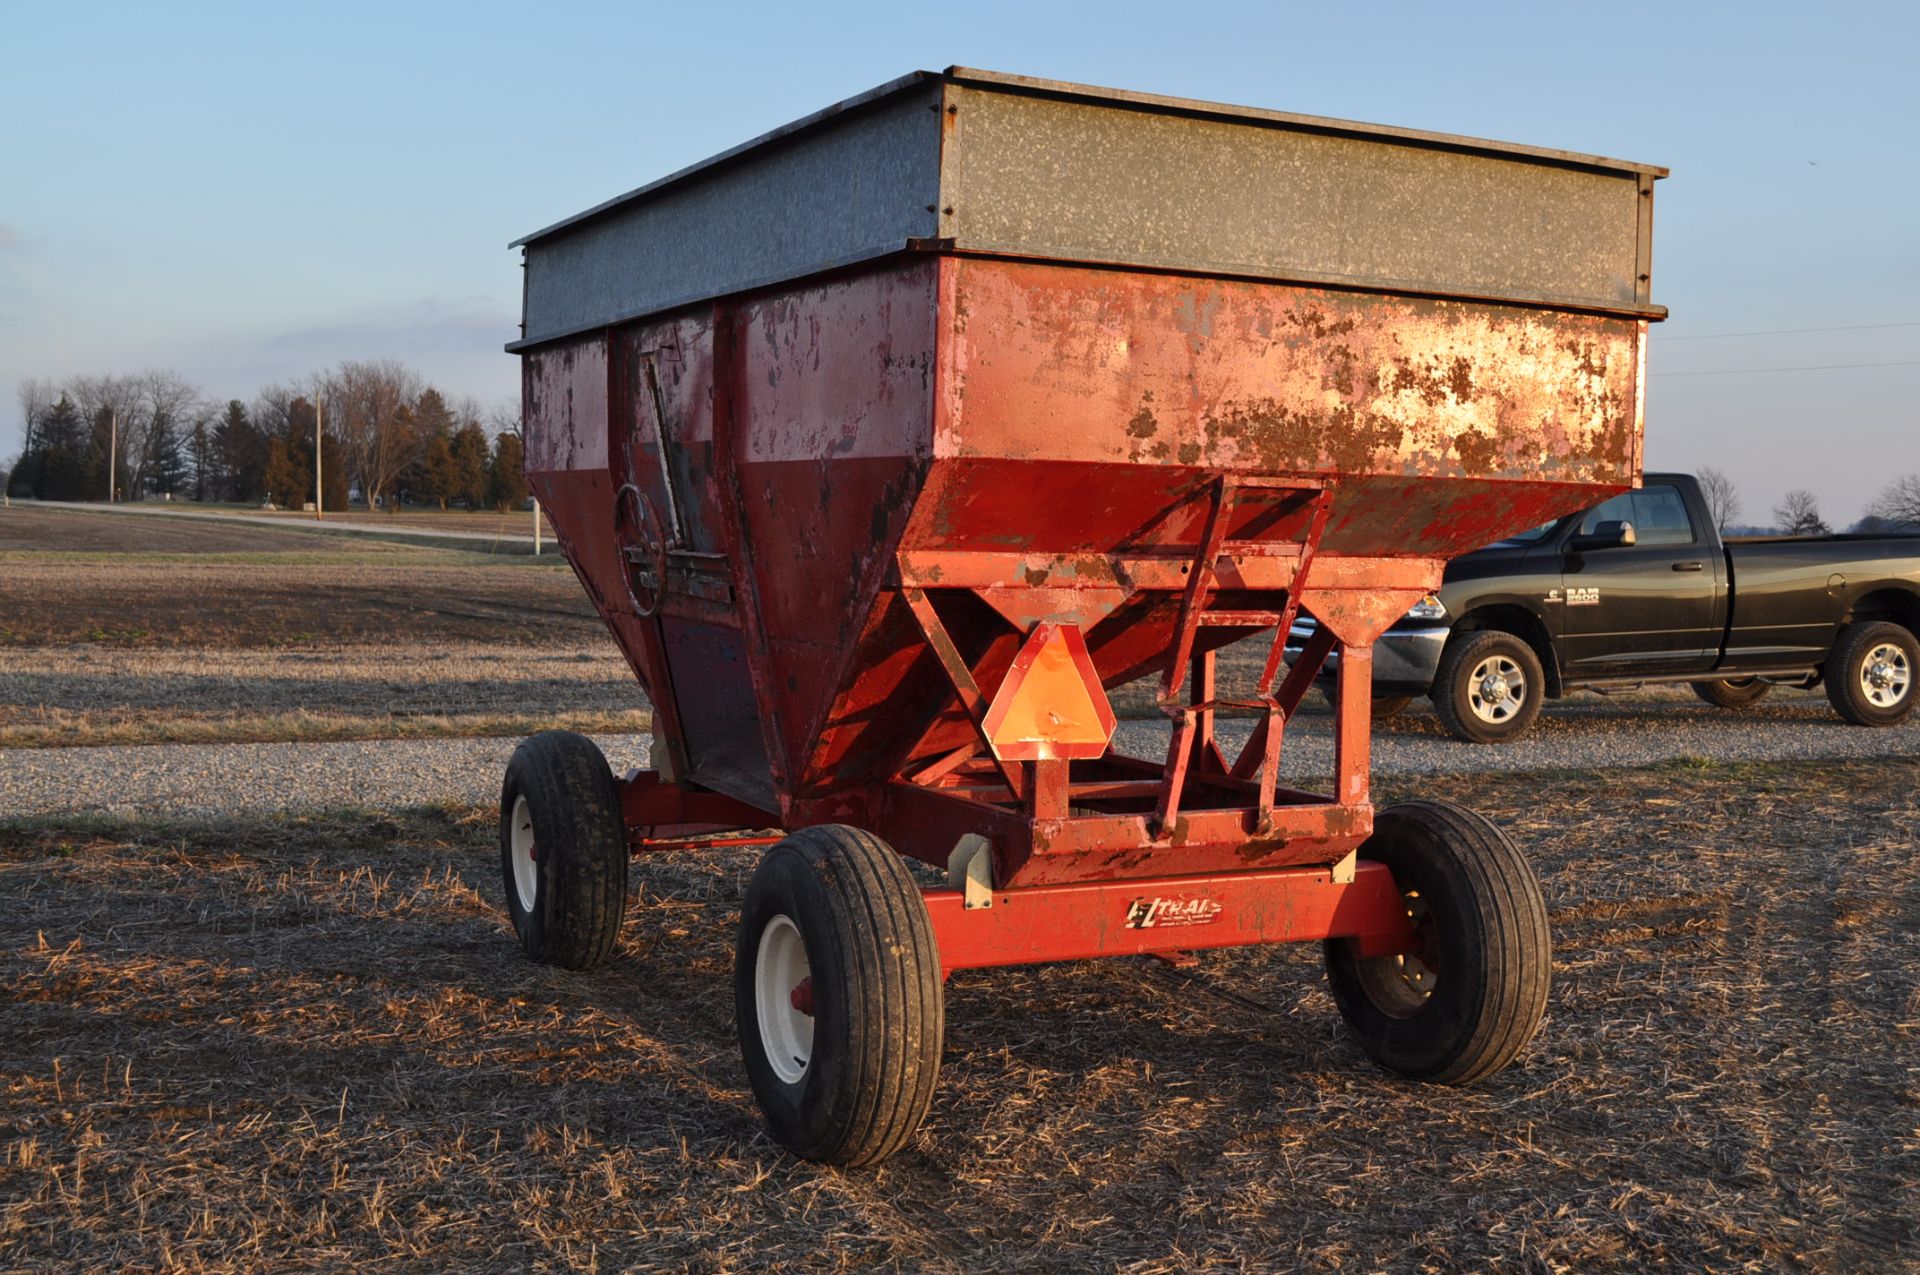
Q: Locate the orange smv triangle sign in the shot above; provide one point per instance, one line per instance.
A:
(1051, 704)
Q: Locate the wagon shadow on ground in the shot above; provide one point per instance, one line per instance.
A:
(313, 1041)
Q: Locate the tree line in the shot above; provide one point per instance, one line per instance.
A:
(386, 439)
(1895, 509)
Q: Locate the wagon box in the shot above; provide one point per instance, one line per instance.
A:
(889, 443)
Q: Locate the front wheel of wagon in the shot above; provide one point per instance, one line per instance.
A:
(1470, 995)
(1870, 673)
(837, 996)
(563, 850)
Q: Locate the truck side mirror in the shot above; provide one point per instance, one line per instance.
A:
(1605, 535)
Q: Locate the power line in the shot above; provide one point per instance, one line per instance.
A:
(1810, 367)
(1851, 327)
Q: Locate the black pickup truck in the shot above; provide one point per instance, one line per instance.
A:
(1642, 589)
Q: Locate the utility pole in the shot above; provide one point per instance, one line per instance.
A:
(319, 409)
(536, 526)
(113, 449)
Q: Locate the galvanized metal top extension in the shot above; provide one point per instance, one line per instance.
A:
(978, 162)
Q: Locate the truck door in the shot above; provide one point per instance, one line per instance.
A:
(1650, 607)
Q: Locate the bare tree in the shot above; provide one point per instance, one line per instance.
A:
(1899, 505)
(170, 405)
(504, 417)
(1798, 514)
(369, 407)
(1723, 502)
(116, 411)
(36, 398)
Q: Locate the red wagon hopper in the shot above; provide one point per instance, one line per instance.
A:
(889, 443)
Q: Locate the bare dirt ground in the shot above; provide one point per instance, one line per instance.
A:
(70, 575)
(133, 629)
(311, 1043)
(99, 693)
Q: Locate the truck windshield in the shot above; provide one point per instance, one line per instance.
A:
(1532, 534)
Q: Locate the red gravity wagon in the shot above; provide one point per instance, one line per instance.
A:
(889, 443)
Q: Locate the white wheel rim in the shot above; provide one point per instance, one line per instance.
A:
(1885, 675)
(526, 867)
(1496, 690)
(786, 1031)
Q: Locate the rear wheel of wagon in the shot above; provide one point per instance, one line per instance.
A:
(1732, 692)
(837, 996)
(1489, 686)
(563, 850)
(1870, 673)
(1470, 995)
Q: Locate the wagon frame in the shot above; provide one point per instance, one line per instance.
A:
(881, 508)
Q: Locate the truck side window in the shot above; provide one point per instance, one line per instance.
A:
(1658, 514)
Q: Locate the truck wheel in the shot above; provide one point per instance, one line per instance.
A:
(837, 996)
(1466, 1001)
(1869, 674)
(1384, 708)
(1489, 686)
(563, 850)
(1732, 692)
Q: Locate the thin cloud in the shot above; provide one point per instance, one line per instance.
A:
(9, 237)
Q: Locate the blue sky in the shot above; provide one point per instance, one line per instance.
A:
(252, 192)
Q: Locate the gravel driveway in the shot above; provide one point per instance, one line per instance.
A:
(228, 778)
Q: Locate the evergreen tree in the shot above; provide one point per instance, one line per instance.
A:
(166, 470)
(439, 477)
(203, 461)
(509, 473)
(333, 474)
(470, 462)
(282, 477)
(242, 453)
(301, 419)
(62, 470)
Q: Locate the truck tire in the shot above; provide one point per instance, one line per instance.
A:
(1471, 995)
(1382, 708)
(1870, 673)
(837, 996)
(563, 850)
(1489, 686)
(1732, 692)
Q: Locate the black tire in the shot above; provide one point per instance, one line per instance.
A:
(1470, 998)
(1732, 692)
(1459, 698)
(1388, 707)
(1870, 673)
(858, 1086)
(560, 793)
(1383, 708)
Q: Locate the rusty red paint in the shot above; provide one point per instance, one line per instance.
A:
(876, 484)
(1163, 915)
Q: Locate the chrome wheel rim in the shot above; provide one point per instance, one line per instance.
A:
(524, 853)
(783, 999)
(1885, 675)
(1496, 690)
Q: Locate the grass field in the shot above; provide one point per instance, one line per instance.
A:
(119, 628)
(312, 1043)
(484, 522)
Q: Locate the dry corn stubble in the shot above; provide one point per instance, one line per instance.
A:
(311, 1042)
